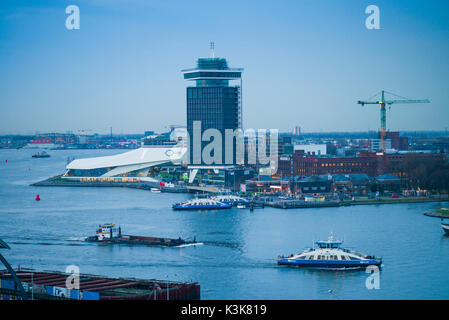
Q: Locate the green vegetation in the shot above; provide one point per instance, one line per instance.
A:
(444, 211)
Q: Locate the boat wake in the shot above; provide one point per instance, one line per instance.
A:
(190, 245)
(76, 239)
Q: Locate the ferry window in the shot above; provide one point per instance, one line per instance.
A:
(311, 257)
(343, 258)
(318, 258)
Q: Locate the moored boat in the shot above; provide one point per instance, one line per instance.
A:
(442, 213)
(445, 227)
(201, 204)
(231, 199)
(329, 255)
(109, 234)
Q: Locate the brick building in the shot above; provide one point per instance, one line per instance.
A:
(370, 163)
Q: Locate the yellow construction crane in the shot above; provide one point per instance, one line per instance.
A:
(383, 111)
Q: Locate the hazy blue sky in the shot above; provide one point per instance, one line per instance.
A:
(306, 63)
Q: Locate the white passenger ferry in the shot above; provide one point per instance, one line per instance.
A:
(201, 204)
(231, 199)
(329, 255)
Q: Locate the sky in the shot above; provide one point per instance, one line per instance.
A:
(307, 63)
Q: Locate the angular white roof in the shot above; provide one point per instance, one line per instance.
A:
(144, 155)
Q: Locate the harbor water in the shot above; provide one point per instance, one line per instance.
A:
(237, 259)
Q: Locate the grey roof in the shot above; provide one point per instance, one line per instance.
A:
(387, 177)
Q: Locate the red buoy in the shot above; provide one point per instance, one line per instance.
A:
(38, 198)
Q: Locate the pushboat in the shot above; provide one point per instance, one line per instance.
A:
(201, 204)
(331, 256)
(109, 234)
(42, 154)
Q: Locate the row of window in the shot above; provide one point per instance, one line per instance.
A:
(341, 164)
(331, 257)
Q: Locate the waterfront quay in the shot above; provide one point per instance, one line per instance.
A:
(298, 204)
(274, 200)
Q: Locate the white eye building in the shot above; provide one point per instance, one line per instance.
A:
(139, 165)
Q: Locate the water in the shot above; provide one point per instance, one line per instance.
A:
(238, 257)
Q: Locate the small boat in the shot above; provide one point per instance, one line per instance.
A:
(42, 154)
(109, 234)
(155, 190)
(442, 213)
(201, 204)
(329, 255)
(241, 206)
(230, 199)
(445, 227)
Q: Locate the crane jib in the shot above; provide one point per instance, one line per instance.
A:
(383, 103)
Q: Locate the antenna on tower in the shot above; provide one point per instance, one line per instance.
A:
(212, 47)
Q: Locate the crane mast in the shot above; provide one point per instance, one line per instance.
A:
(383, 112)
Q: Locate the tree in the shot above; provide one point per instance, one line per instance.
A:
(427, 173)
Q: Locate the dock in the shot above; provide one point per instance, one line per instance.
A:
(51, 285)
(57, 181)
(439, 213)
(293, 204)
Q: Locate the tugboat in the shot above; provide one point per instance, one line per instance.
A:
(201, 204)
(329, 255)
(109, 234)
(42, 154)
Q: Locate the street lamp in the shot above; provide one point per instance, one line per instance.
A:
(4, 245)
(166, 283)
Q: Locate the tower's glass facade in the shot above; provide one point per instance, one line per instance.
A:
(213, 102)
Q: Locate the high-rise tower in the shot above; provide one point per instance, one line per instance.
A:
(213, 101)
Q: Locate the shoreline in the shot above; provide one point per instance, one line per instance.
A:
(285, 204)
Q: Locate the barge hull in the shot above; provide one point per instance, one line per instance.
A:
(140, 240)
(329, 264)
(51, 285)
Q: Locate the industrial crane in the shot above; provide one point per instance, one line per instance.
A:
(383, 111)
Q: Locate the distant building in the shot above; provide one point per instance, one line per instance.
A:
(297, 131)
(376, 145)
(314, 184)
(285, 146)
(312, 149)
(392, 140)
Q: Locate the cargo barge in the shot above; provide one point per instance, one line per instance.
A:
(108, 234)
(51, 285)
